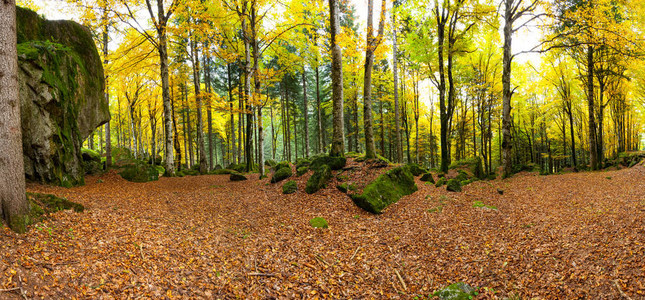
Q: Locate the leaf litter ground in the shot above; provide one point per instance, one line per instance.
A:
(547, 237)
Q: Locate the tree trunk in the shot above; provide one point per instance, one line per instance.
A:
(593, 149)
(506, 92)
(212, 149)
(165, 87)
(397, 113)
(256, 77)
(305, 111)
(321, 146)
(14, 207)
(338, 140)
(230, 100)
(176, 133)
(203, 165)
(108, 136)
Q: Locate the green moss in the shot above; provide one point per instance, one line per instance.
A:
(302, 162)
(237, 177)
(427, 177)
(139, 172)
(318, 222)
(280, 165)
(51, 203)
(334, 163)
(346, 187)
(477, 204)
(281, 174)
(237, 167)
(415, 169)
(289, 187)
(385, 190)
(453, 185)
(221, 172)
(301, 171)
(456, 291)
(270, 162)
(319, 179)
(440, 182)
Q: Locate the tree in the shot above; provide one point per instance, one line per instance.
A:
(397, 117)
(160, 23)
(513, 10)
(338, 138)
(13, 201)
(372, 43)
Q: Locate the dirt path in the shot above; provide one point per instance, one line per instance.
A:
(555, 237)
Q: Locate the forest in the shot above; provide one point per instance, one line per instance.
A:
(414, 149)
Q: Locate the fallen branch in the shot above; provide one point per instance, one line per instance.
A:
(621, 291)
(262, 274)
(359, 247)
(9, 290)
(405, 288)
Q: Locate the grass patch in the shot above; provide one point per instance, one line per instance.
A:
(481, 204)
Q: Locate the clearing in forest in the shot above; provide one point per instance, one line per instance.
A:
(577, 235)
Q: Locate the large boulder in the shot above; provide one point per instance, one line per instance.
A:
(61, 96)
(281, 174)
(385, 190)
(334, 163)
(139, 172)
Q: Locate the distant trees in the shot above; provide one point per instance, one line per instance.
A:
(446, 90)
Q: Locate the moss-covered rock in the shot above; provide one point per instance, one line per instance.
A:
(319, 179)
(302, 162)
(237, 177)
(471, 165)
(318, 222)
(334, 163)
(415, 169)
(289, 187)
(191, 172)
(61, 96)
(345, 187)
(301, 171)
(281, 174)
(453, 185)
(456, 291)
(221, 172)
(91, 161)
(427, 177)
(41, 205)
(270, 162)
(139, 172)
(385, 190)
(440, 182)
(237, 167)
(630, 159)
(280, 165)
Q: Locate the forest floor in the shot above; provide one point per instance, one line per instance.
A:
(578, 235)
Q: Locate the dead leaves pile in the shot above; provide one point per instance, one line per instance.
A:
(555, 237)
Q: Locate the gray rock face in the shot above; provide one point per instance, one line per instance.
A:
(61, 96)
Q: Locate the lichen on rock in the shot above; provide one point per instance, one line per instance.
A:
(61, 96)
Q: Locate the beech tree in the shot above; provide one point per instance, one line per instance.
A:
(13, 202)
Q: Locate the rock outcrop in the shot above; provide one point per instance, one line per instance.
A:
(61, 96)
